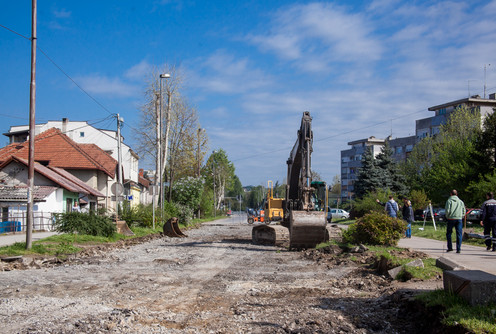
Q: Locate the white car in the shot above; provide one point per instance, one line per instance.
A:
(338, 214)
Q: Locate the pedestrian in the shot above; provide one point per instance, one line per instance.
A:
(390, 206)
(488, 220)
(75, 208)
(455, 210)
(407, 213)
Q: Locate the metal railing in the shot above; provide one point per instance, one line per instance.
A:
(17, 222)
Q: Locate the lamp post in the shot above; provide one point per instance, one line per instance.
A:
(160, 157)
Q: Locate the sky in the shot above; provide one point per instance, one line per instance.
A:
(251, 68)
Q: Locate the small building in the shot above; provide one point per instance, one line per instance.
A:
(55, 191)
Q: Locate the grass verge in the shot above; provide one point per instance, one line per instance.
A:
(476, 319)
(64, 244)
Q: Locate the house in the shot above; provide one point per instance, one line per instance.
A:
(85, 162)
(83, 133)
(55, 191)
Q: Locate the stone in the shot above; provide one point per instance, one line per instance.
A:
(475, 286)
(446, 264)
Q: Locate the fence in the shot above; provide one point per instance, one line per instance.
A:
(17, 222)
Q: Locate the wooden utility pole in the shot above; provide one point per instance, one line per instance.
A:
(32, 109)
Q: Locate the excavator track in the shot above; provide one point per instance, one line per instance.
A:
(307, 230)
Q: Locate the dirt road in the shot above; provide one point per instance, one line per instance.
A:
(214, 281)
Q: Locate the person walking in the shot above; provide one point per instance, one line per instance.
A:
(455, 210)
(488, 220)
(407, 213)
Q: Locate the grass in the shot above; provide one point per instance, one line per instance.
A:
(476, 319)
(440, 232)
(61, 245)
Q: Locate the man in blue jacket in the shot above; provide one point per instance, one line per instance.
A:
(455, 211)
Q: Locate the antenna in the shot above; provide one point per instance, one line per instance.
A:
(485, 78)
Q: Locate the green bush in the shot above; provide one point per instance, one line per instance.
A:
(182, 212)
(368, 203)
(375, 229)
(140, 215)
(84, 223)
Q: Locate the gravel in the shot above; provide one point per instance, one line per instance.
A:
(213, 281)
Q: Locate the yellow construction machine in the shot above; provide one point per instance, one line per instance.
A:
(304, 207)
(273, 206)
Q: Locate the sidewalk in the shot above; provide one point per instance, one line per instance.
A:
(9, 239)
(471, 257)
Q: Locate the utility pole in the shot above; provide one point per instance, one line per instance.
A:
(166, 136)
(158, 173)
(32, 124)
(120, 187)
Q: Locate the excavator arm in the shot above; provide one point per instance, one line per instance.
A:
(307, 227)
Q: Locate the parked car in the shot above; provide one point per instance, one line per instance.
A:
(473, 215)
(338, 214)
(439, 214)
(419, 214)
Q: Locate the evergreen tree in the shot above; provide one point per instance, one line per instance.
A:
(390, 174)
(369, 178)
(380, 173)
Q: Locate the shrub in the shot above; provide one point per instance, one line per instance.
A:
(140, 215)
(84, 223)
(182, 212)
(368, 203)
(375, 229)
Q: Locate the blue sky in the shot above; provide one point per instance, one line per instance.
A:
(251, 68)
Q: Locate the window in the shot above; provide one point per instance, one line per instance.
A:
(409, 148)
(81, 134)
(399, 150)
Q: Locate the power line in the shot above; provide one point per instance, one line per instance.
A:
(61, 70)
(333, 136)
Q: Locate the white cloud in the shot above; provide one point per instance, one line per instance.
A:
(102, 85)
(224, 73)
(62, 13)
(315, 35)
(139, 71)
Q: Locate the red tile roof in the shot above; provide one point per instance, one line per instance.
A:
(58, 176)
(60, 151)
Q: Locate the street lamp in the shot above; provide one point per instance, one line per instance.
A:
(160, 160)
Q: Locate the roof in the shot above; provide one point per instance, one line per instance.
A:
(20, 193)
(62, 152)
(469, 100)
(58, 176)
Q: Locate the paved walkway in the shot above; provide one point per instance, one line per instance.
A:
(470, 257)
(9, 239)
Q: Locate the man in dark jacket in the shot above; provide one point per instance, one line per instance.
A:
(488, 220)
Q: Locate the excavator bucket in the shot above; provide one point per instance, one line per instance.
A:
(171, 229)
(122, 228)
(307, 229)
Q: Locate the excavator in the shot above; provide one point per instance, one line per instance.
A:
(304, 206)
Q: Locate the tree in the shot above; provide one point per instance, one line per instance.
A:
(188, 191)
(368, 175)
(380, 173)
(390, 174)
(445, 161)
(219, 175)
(179, 123)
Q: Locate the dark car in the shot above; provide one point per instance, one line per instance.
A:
(439, 214)
(419, 214)
(473, 215)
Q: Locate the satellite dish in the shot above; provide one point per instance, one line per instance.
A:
(117, 189)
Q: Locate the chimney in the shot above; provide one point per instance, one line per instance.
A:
(64, 125)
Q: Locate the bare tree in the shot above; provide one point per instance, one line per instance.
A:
(178, 139)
